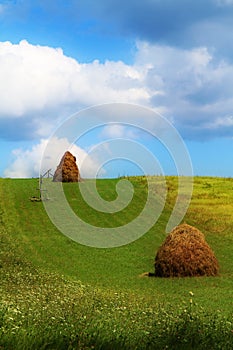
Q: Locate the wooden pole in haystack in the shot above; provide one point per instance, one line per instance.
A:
(47, 174)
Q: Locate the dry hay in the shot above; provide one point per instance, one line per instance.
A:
(35, 199)
(185, 253)
(67, 170)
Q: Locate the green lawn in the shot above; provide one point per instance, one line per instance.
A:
(95, 297)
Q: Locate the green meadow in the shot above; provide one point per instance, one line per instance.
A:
(58, 294)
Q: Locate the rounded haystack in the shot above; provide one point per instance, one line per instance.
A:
(185, 252)
(67, 170)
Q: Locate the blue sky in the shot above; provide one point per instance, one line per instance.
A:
(174, 57)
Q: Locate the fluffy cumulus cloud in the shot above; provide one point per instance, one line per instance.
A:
(38, 77)
(41, 85)
(181, 65)
(195, 88)
(38, 160)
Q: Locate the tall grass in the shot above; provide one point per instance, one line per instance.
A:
(57, 294)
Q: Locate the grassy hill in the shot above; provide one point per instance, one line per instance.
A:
(58, 294)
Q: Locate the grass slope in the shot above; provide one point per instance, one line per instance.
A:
(96, 292)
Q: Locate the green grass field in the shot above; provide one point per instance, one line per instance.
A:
(58, 294)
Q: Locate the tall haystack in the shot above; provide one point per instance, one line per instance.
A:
(67, 170)
(185, 252)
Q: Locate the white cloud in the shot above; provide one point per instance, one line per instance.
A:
(196, 86)
(114, 131)
(170, 65)
(32, 162)
(41, 86)
(224, 122)
(37, 78)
